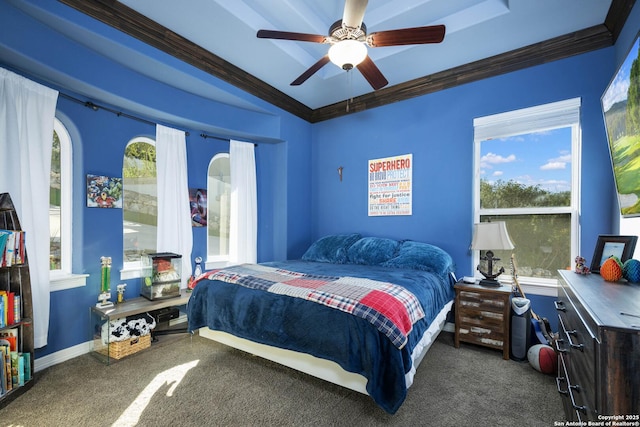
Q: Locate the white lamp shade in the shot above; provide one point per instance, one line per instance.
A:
(347, 52)
(491, 236)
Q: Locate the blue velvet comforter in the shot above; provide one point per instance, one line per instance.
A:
(304, 326)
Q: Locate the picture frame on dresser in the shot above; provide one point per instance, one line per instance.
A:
(612, 245)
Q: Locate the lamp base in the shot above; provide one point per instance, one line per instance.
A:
(490, 283)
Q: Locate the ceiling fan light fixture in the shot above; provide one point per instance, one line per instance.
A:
(347, 54)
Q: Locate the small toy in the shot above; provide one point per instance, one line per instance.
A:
(120, 289)
(611, 269)
(631, 270)
(581, 266)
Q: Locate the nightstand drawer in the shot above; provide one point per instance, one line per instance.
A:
(481, 335)
(480, 301)
(488, 319)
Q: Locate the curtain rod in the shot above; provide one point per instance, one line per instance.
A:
(205, 136)
(96, 107)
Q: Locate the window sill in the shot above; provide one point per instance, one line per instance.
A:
(210, 265)
(535, 286)
(130, 273)
(549, 290)
(60, 282)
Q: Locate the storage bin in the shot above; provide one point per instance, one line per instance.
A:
(119, 349)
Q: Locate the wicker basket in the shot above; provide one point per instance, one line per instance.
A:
(120, 349)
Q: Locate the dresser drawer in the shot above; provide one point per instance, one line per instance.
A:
(572, 396)
(577, 346)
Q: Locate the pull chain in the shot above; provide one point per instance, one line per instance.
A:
(350, 87)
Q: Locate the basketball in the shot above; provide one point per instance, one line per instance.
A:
(542, 358)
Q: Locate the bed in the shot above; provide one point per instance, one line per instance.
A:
(358, 311)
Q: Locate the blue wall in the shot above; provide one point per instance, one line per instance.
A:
(438, 130)
(299, 193)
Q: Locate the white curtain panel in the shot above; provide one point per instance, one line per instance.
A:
(27, 112)
(174, 216)
(243, 242)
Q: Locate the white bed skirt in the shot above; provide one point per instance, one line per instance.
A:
(322, 368)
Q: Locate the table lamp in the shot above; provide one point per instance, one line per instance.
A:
(490, 236)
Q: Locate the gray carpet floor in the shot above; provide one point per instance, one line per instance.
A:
(191, 381)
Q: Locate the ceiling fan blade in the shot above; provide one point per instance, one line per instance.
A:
(311, 71)
(417, 35)
(354, 13)
(373, 75)
(286, 35)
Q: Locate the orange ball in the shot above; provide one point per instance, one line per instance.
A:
(611, 270)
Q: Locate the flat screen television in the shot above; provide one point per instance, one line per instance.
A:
(621, 108)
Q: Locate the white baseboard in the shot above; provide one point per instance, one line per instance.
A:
(62, 356)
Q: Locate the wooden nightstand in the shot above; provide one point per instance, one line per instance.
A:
(482, 316)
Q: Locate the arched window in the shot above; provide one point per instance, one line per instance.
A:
(218, 209)
(60, 201)
(140, 201)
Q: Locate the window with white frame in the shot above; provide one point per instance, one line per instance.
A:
(527, 173)
(218, 208)
(140, 201)
(60, 201)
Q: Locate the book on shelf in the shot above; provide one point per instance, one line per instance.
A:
(12, 247)
(5, 364)
(7, 309)
(27, 366)
(5, 375)
(10, 335)
(4, 235)
(14, 368)
(3, 381)
(20, 361)
(17, 309)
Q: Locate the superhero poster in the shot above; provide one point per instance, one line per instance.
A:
(198, 206)
(104, 192)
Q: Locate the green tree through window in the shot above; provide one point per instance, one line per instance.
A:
(140, 201)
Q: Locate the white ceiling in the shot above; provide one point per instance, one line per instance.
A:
(475, 29)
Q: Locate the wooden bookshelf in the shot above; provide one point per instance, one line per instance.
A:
(16, 279)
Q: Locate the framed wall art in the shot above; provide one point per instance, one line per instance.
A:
(104, 192)
(611, 245)
(198, 207)
(620, 106)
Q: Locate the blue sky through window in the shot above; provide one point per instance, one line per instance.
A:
(540, 158)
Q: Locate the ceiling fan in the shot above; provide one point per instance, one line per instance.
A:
(349, 40)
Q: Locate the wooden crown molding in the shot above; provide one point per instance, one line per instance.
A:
(127, 20)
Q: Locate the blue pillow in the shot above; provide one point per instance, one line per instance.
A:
(422, 256)
(332, 248)
(373, 250)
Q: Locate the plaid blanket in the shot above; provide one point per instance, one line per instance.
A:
(390, 308)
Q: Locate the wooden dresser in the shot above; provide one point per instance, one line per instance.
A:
(598, 348)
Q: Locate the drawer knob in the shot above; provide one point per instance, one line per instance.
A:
(558, 349)
(582, 408)
(560, 306)
(558, 381)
